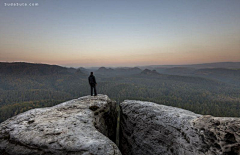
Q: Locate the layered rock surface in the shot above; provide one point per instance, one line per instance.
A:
(152, 129)
(80, 126)
(86, 125)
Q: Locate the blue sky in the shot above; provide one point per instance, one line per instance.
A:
(120, 32)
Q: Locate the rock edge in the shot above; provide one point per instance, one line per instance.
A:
(79, 126)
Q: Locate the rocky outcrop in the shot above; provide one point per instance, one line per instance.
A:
(87, 126)
(152, 129)
(149, 72)
(80, 126)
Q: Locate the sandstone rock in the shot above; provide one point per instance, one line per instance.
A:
(151, 129)
(79, 126)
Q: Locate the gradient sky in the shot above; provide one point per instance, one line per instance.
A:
(120, 32)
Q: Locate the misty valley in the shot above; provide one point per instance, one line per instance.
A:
(209, 89)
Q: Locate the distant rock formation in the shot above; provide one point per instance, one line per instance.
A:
(133, 70)
(84, 70)
(118, 71)
(80, 72)
(80, 126)
(104, 69)
(152, 129)
(149, 72)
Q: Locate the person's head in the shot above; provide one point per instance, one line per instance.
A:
(91, 73)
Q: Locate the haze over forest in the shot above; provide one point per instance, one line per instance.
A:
(204, 88)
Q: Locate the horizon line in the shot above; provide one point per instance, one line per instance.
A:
(119, 66)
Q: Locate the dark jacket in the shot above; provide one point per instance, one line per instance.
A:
(92, 80)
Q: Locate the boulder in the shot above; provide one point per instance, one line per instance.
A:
(153, 129)
(80, 126)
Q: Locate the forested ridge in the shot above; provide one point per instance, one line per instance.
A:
(24, 86)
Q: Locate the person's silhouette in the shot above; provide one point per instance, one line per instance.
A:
(92, 83)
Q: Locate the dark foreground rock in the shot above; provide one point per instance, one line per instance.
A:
(151, 129)
(80, 126)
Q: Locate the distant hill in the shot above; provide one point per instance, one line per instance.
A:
(22, 68)
(212, 91)
(79, 72)
(231, 76)
(129, 70)
(178, 70)
(33, 69)
(229, 65)
(153, 74)
(71, 70)
(84, 70)
(149, 72)
(103, 71)
(218, 72)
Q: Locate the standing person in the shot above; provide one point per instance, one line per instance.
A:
(93, 83)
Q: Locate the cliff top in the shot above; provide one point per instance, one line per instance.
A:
(67, 128)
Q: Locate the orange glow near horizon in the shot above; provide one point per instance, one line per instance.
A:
(109, 33)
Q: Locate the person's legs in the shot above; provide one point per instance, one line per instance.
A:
(95, 91)
(92, 90)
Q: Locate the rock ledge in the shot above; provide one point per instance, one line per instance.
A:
(149, 128)
(79, 126)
